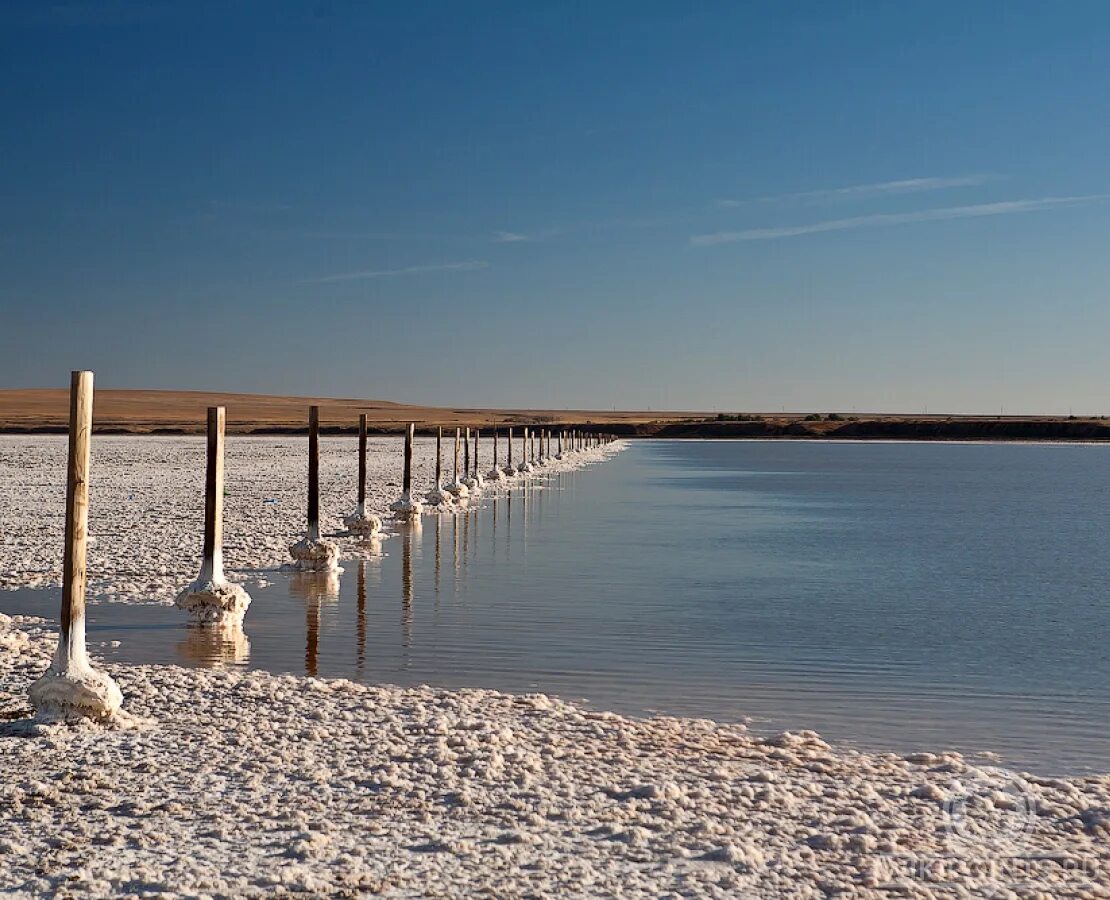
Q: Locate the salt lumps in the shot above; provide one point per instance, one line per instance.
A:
(315, 554)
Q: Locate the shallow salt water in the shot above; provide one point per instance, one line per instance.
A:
(893, 596)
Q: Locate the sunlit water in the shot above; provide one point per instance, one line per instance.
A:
(892, 596)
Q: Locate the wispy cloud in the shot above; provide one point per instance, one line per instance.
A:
(407, 270)
(877, 189)
(1004, 208)
(509, 237)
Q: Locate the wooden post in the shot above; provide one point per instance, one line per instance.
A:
(466, 455)
(495, 448)
(477, 465)
(362, 464)
(74, 572)
(510, 463)
(406, 481)
(439, 456)
(212, 566)
(70, 685)
(560, 441)
(314, 473)
(456, 456)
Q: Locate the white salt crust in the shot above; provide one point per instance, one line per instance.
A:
(214, 602)
(315, 555)
(146, 514)
(244, 784)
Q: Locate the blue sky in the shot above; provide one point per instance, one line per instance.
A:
(799, 205)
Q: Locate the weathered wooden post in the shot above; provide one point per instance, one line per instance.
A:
(360, 522)
(71, 688)
(509, 469)
(457, 488)
(405, 508)
(473, 480)
(466, 455)
(313, 553)
(525, 466)
(495, 473)
(438, 496)
(211, 599)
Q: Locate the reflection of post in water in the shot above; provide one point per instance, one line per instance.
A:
(360, 621)
(466, 538)
(455, 550)
(439, 524)
(312, 639)
(407, 538)
(215, 647)
(316, 589)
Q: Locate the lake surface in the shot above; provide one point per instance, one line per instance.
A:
(889, 595)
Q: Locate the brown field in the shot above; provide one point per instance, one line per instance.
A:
(140, 411)
(177, 412)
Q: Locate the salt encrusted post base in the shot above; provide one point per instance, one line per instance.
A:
(406, 508)
(525, 468)
(315, 555)
(458, 490)
(78, 692)
(495, 475)
(214, 602)
(362, 523)
(439, 498)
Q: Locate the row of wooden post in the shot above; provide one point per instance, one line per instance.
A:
(74, 575)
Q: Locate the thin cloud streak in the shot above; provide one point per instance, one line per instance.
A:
(468, 265)
(509, 237)
(879, 189)
(1004, 208)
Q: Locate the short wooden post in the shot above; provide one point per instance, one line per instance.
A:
(439, 456)
(362, 463)
(406, 480)
(212, 565)
(314, 473)
(70, 685)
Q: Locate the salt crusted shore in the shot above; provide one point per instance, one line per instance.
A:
(228, 784)
(146, 510)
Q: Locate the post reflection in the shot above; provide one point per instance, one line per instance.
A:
(316, 589)
(360, 620)
(408, 536)
(215, 647)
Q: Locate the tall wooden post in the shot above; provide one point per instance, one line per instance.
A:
(406, 481)
(510, 463)
(314, 473)
(70, 685)
(362, 463)
(560, 441)
(212, 566)
(477, 464)
(74, 559)
(457, 434)
(495, 448)
(466, 455)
